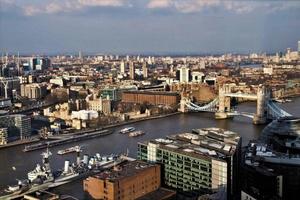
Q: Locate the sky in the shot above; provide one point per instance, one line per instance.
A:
(148, 26)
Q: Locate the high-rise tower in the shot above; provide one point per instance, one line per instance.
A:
(131, 70)
(122, 67)
(145, 70)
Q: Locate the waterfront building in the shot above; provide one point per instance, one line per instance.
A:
(17, 125)
(203, 162)
(131, 70)
(130, 180)
(101, 105)
(3, 136)
(271, 166)
(151, 97)
(23, 124)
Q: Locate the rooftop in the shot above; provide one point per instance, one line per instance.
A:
(256, 154)
(127, 169)
(203, 143)
(152, 92)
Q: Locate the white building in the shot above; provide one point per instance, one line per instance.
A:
(84, 114)
(57, 81)
(122, 67)
(184, 75)
(197, 77)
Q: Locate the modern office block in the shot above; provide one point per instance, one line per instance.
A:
(202, 162)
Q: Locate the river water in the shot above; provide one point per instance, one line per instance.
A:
(117, 143)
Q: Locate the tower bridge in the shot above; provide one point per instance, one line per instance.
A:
(265, 108)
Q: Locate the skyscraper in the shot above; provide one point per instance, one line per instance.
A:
(18, 64)
(299, 47)
(131, 70)
(184, 74)
(122, 67)
(80, 55)
(39, 63)
(145, 70)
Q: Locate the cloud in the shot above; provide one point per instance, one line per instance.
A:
(68, 6)
(153, 4)
(190, 6)
(236, 6)
(181, 6)
(101, 2)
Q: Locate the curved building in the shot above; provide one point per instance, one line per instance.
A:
(283, 134)
(271, 167)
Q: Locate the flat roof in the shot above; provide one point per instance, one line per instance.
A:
(203, 143)
(123, 170)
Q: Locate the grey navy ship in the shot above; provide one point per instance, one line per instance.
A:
(42, 177)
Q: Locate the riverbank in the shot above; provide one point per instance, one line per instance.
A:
(30, 140)
(139, 120)
(66, 140)
(35, 139)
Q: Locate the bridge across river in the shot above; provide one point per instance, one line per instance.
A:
(221, 106)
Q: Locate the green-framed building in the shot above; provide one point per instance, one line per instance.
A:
(205, 161)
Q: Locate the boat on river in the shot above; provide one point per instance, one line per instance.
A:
(68, 150)
(136, 133)
(127, 130)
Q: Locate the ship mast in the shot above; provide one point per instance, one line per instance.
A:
(78, 150)
(46, 156)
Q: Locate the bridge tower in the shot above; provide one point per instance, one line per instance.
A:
(182, 107)
(261, 107)
(224, 103)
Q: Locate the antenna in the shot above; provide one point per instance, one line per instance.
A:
(6, 59)
(18, 63)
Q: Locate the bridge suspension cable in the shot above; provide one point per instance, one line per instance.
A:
(210, 107)
(275, 111)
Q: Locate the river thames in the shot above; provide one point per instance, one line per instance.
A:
(117, 143)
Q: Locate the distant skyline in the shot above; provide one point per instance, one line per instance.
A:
(148, 26)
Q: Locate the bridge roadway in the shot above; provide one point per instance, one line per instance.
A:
(241, 95)
(245, 114)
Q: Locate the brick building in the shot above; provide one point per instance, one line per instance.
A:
(154, 98)
(131, 180)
